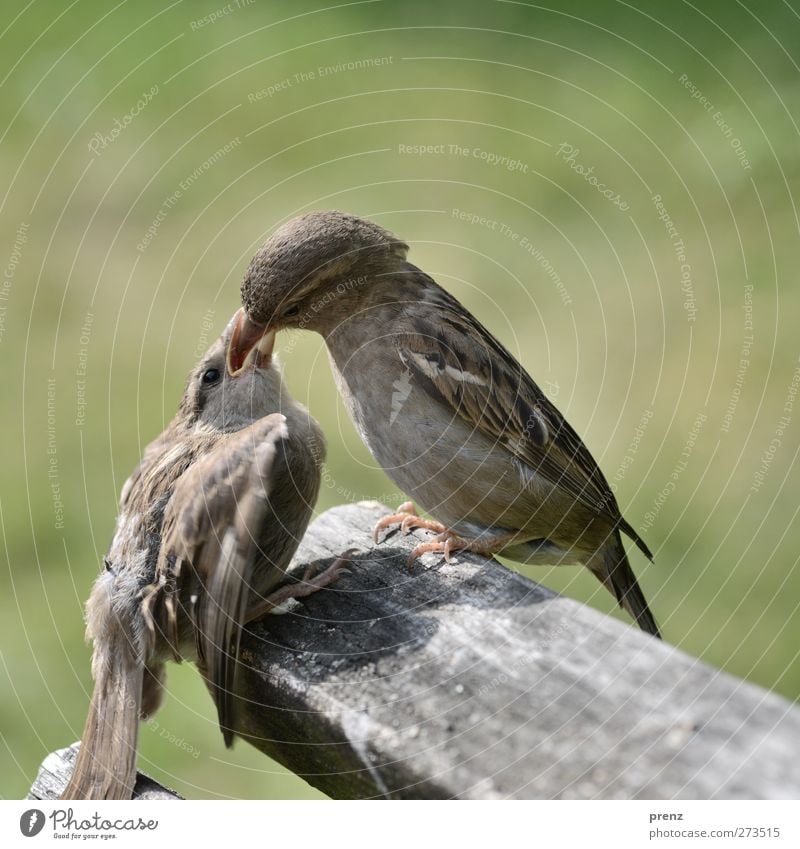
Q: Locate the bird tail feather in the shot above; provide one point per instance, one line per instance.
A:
(106, 763)
(612, 568)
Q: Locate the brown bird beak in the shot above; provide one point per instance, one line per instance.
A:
(251, 344)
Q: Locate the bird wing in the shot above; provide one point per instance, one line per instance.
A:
(212, 524)
(152, 451)
(464, 366)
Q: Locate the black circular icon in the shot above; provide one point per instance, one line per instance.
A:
(31, 822)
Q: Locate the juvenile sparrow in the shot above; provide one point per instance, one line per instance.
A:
(451, 416)
(207, 525)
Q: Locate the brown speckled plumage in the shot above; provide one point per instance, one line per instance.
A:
(448, 412)
(207, 525)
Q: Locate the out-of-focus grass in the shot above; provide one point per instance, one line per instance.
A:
(503, 78)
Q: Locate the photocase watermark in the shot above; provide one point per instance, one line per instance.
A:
(551, 388)
(321, 303)
(294, 333)
(183, 187)
(483, 687)
(744, 360)
(328, 481)
(769, 453)
(689, 304)
(218, 14)
(32, 822)
(320, 72)
(522, 241)
(206, 330)
(168, 588)
(536, 253)
(165, 734)
(717, 117)
(570, 154)
(64, 824)
(629, 458)
(81, 369)
(52, 456)
(10, 270)
(100, 141)
(497, 160)
(679, 468)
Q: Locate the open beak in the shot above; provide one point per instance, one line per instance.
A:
(251, 345)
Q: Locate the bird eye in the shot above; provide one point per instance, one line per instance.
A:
(211, 375)
(290, 311)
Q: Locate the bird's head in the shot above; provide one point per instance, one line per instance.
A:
(308, 274)
(218, 401)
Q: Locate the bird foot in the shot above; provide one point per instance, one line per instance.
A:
(408, 519)
(308, 585)
(447, 542)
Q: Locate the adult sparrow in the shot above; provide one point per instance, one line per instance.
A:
(207, 525)
(451, 416)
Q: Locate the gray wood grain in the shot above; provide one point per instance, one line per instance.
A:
(468, 680)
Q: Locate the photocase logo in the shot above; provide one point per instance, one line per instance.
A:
(402, 387)
(31, 822)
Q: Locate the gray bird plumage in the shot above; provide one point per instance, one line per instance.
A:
(207, 525)
(447, 411)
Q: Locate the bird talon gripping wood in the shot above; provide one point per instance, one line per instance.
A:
(453, 418)
(208, 521)
(308, 585)
(408, 519)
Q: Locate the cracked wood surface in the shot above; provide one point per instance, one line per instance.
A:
(467, 680)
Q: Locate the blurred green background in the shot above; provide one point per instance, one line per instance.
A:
(670, 342)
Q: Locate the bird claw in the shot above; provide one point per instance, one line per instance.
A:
(446, 543)
(404, 511)
(408, 519)
(329, 575)
(308, 585)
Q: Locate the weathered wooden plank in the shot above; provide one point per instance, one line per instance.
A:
(468, 680)
(57, 768)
